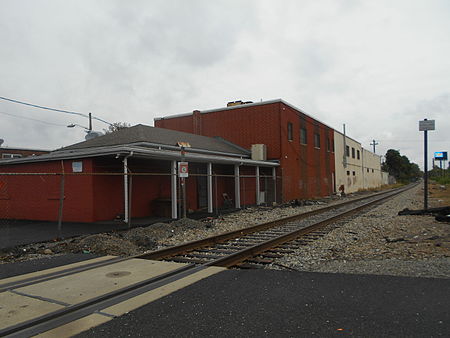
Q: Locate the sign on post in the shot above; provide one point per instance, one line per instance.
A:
(183, 169)
(440, 155)
(426, 125)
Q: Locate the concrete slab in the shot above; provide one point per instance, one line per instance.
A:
(52, 270)
(76, 326)
(85, 285)
(16, 309)
(108, 314)
(148, 297)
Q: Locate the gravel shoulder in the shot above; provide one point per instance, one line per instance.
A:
(380, 242)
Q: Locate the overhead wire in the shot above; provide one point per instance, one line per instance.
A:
(36, 120)
(53, 109)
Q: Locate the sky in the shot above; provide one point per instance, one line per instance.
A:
(376, 66)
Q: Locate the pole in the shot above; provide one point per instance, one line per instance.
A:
(425, 165)
(210, 188)
(130, 194)
(90, 122)
(183, 186)
(125, 188)
(61, 202)
(173, 186)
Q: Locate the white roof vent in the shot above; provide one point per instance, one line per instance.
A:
(93, 134)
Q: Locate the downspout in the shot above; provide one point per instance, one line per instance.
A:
(125, 186)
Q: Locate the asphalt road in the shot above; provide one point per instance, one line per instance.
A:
(266, 303)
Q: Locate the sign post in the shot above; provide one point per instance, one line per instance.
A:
(183, 172)
(424, 126)
(441, 156)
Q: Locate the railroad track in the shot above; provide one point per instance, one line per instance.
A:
(248, 248)
(259, 245)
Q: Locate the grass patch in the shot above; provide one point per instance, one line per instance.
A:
(439, 193)
(442, 179)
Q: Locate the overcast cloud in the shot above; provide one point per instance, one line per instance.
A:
(377, 66)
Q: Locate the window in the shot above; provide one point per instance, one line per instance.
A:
(347, 150)
(353, 173)
(367, 169)
(290, 133)
(332, 143)
(316, 140)
(372, 170)
(303, 139)
(358, 154)
(11, 156)
(353, 152)
(348, 173)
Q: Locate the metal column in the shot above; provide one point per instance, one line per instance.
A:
(173, 186)
(237, 187)
(257, 186)
(125, 187)
(274, 177)
(210, 189)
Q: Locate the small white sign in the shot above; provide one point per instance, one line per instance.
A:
(77, 167)
(426, 125)
(183, 169)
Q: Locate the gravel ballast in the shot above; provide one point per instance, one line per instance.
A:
(380, 242)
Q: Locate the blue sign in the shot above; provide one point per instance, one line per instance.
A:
(440, 155)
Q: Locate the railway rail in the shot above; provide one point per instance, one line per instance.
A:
(249, 247)
(259, 245)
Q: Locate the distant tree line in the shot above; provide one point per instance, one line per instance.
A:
(400, 167)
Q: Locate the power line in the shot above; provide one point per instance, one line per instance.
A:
(53, 109)
(29, 118)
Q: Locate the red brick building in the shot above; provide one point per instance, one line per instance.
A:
(131, 173)
(303, 146)
(7, 153)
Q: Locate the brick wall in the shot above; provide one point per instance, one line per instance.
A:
(306, 170)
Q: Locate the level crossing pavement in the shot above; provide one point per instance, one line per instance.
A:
(269, 303)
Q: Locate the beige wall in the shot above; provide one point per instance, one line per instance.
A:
(384, 178)
(373, 177)
(360, 170)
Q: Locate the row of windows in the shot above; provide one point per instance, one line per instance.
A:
(304, 137)
(354, 173)
(11, 155)
(347, 152)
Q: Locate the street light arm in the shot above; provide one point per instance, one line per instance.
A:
(72, 125)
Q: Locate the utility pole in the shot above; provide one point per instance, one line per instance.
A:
(374, 143)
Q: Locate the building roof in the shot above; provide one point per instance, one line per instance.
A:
(244, 105)
(151, 143)
(153, 136)
(121, 151)
(23, 149)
